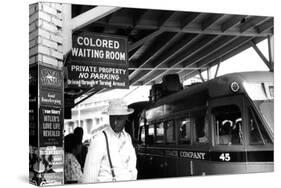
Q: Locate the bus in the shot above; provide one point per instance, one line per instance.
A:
(221, 126)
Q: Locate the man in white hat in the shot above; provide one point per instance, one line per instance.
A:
(111, 155)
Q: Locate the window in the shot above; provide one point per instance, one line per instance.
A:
(170, 132)
(201, 126)
(258, 134)
(141, 131)
(142, 135)
(184, 137)
(159, 133)
(266, 109)
(150, 137)
(228, 125)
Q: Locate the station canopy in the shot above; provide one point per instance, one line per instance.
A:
(164, 42)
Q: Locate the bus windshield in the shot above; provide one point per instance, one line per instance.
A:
(262, 94)
(267, 111)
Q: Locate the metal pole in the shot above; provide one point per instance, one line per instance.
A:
(67, 28)
(199, 72)
(271, 51)
(208, 73)
(261, 55)
(217, 70)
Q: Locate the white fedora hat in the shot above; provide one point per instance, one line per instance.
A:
(118, 107)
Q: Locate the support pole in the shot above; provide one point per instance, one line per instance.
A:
(208, 73)
(271, 51)
(217, 70)
(67, 28)
(262, 56)
(200, 74)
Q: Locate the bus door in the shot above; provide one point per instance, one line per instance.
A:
(156, 149)
(200, 140)
(169, 164)
(162, 153)
(227, 121)
(192, 144)
(146, 138)
(159, 159)
(151, 151)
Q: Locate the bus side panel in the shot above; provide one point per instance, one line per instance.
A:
(151, 166)
(257, 167)
(184, 167)
(201, 167)
(213, 168)
(158, 166)
(171, 165)
(144, 166)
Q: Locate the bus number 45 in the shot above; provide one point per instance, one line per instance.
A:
(225, 157)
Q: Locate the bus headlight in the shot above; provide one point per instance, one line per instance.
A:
(234, 87)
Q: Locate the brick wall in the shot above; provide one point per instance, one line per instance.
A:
(45, 34)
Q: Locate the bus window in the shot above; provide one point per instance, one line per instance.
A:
(258, 134)
(202, 136)
(170, 132)
(200, 125)
(266, 109)
(184, 125)
(228, 125)
(141, 131)
(142, 135)
(150, 137)
(159, 131)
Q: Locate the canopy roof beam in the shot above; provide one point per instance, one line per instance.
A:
(201, 53)
(160, 47)
(183, 56)
(252, 21)
(163, 20)
(219, 53)
(223, 55)
(91, 16)
(146, 38)
(232, 22)
(191, 17)
(249, 30)
(162, 60)
(154, 34)
(211, 20)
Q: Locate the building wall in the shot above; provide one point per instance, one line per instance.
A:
(46, 48)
